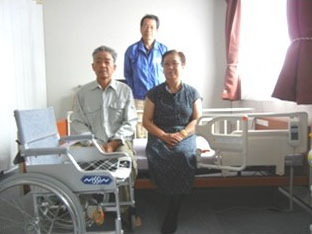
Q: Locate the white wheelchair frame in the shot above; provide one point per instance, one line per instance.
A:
(55, 175)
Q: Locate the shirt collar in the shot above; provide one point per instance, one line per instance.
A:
(96, 85)
(113, 84)
(169, 91)
(156, 45)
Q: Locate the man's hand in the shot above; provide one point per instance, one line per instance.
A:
(111, 146)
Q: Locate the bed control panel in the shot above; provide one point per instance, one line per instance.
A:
(294, 132)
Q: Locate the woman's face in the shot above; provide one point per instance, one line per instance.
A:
(173, 67)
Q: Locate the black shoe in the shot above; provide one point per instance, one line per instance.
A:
(169, 226)
(170, 222)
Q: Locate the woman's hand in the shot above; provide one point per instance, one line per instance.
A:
(172, 139)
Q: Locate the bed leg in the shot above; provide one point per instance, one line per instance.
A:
(291, 187)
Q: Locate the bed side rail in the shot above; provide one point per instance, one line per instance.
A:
(224, 141)
(241, 139)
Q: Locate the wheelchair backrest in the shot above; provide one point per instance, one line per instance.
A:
(37, 129)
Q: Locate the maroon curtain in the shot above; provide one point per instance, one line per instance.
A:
(295, 80)
(232, 89)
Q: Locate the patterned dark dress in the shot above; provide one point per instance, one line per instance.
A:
(172, 169)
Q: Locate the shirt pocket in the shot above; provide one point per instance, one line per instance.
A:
(116, 110)
(93, 114)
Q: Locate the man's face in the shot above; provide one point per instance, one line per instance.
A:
(149, 29)
(103, 65)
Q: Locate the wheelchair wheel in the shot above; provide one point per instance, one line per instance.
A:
(34, 203)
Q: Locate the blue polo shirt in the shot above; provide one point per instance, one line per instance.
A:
(142, 68)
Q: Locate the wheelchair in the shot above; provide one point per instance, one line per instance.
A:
(61, 188)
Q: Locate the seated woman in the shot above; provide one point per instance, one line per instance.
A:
(170, 115)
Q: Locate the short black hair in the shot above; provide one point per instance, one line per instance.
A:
(153, 17)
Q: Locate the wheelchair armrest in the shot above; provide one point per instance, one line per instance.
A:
(43, 151)
(81, 154)
(77, 138)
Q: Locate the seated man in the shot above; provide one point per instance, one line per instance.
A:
(105, 107)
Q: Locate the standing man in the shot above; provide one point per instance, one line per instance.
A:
(105, 107)
(142, 66)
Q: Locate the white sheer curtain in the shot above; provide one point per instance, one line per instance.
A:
(23, 83)
(263, 44)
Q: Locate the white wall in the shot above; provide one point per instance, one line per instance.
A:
(73, 28)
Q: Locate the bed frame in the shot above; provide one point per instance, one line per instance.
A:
(296, 171)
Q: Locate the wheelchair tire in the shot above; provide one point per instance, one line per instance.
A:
(34, 203)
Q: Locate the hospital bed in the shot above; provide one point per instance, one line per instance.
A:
(244, 146)
(61, 188)
(281, 164)
(245, 149)
(275, 155)
(239, 148)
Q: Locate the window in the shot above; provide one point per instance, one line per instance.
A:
(263, 45)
